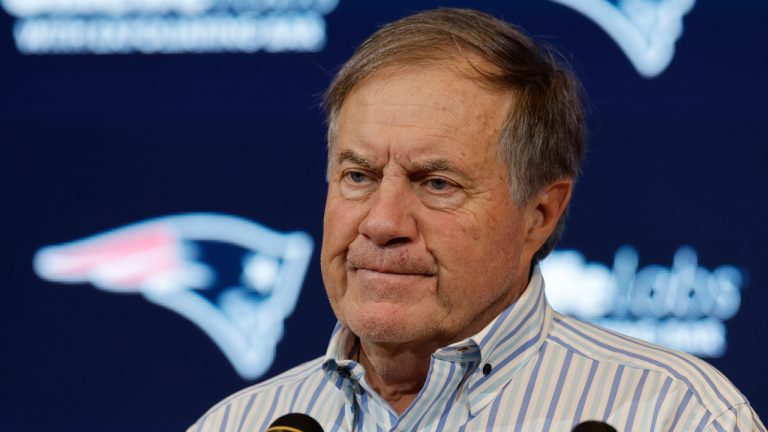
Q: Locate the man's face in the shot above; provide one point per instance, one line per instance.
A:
(422, 241)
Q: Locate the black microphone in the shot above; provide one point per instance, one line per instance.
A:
(295, 422)
(593, 426)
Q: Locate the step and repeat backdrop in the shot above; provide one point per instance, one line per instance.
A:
(163, 187)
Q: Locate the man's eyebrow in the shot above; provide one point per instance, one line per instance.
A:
(433, 165)
(423, 166)
(351, 156)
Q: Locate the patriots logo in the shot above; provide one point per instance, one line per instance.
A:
(235, 279)
(646, 30)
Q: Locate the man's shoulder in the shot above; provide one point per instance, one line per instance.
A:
(287, 385)
(706, 385)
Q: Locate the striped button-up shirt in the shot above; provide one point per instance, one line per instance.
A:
(530, 369)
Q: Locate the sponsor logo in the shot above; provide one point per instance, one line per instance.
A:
(168, 26)
(646, 30)
(235, 279)
(682, 307)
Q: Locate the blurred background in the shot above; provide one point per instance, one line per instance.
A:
(195, 127)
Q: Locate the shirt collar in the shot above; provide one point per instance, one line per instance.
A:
(517, 327)
(508, 342)
(339, 356)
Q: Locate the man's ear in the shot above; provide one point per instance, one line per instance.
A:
(545, 210)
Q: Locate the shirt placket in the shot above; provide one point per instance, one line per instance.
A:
(444, 378)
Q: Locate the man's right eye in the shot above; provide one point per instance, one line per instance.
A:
(356, 183)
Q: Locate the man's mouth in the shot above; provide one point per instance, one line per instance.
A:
(387, 271)
(407, 270)
(395, 264)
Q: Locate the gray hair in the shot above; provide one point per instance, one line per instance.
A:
(543, 138)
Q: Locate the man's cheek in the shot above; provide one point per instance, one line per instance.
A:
(336, 227)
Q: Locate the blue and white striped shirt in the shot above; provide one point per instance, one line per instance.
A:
(531, 369)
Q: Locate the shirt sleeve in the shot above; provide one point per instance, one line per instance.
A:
(740, 417)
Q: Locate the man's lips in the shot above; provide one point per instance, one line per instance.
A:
(389, 262)
(407, 268)
(389, 271)
(370, 286)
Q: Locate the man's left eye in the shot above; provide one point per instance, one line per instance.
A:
(439, 184)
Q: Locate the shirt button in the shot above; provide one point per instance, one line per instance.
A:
(487, 369)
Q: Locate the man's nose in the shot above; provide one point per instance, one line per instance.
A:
(390, 220)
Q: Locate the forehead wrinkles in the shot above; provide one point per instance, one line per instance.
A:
(450, 106)
(405, 100)
(413, 163)
(414, 111)
(418, 117)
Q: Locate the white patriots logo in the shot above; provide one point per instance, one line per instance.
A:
(235, 279)
(646, 30)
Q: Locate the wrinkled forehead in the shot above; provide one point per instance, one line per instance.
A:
(419, 115)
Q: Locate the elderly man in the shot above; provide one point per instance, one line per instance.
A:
(454, 142)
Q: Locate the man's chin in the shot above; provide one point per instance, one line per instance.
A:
(390, 330)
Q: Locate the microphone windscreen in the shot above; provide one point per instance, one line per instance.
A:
(593, 426)
(295, 422)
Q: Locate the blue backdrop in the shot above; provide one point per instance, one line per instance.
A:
(95, 141)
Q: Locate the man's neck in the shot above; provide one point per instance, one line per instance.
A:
(397, 374)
